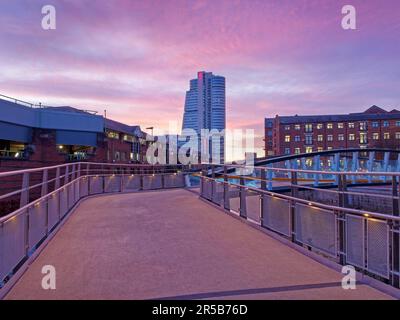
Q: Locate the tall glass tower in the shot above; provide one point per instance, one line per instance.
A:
(205, 109)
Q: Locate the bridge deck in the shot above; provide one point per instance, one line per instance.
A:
(169, 244)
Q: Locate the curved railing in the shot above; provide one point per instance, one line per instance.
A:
(352, 225)
(43, 197)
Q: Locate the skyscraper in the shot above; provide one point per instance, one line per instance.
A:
(205, 109)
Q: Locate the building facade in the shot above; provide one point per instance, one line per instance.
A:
(34, 137)
(205, 109)
(374, 127)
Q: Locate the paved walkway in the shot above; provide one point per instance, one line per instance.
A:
(169, 244)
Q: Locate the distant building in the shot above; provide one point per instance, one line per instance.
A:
(205, 108)
(374, 127)
(33, 137)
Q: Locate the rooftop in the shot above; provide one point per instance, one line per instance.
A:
(372, 113)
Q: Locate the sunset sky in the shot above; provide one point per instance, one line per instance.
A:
(135, 58)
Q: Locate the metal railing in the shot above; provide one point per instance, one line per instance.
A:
(43, 197)
(330, 224)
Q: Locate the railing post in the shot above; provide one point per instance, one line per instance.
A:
(395, 236)
(66, 175)
(242, 201)
(45, 183)
(226, 189)
(341, 218)
(25, 190)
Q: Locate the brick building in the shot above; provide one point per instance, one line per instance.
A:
(33, 137)
(374, 127)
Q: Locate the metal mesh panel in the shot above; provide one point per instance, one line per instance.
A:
(174, 181)
(253, 205)
(12, 243)
(63, 202)
(234, 198)
(131, 183)
(151, 182)
(207, 189)
(276, 214)
(378, 247)
(83, 188)
(77, 192)
(96, 185)
(53, 210)
(112, 184)
(316, 227)
(37, 223)
(218, 193)
(355, 245)
(71, 195)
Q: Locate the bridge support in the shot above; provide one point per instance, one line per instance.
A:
(317, 167)
(370, 165)
(386, 164)
(336, 167)
(354, 166)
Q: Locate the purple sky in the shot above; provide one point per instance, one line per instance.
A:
(135, 58)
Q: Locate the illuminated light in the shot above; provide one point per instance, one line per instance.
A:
(16, 155)
(310, 204)
(60, 147)
(37, 204)
(366, 215)
(153, 175)
(132, 175)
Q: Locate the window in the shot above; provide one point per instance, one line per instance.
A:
(363, 137)
(319, 149)
(269, 133)
(309, 149)
(397, 123)
(297, 138)
(320, 126)
(329, 137)
(375, 124)
(340, 125)
(329, 126)
(386, 124)
(113, 134)
(309, 139)
(340, 137)
(352, 137)
(397, 135)
(269, 124)
(287, 127)
(351, 125)
(386, 136)
(296, 150)
(287, 150)
(330, 148)
(296, 127)
(287, 138)
(308, 127)
(362, 126)
(320, 138)
(375, 136)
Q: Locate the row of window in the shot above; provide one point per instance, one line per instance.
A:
(308, 127)
(341, 136)
(307, 150)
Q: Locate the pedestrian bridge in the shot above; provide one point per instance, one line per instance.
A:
(140, 232)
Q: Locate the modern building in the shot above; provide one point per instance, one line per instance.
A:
(205, 109)
(34, 137)
(375, 127)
